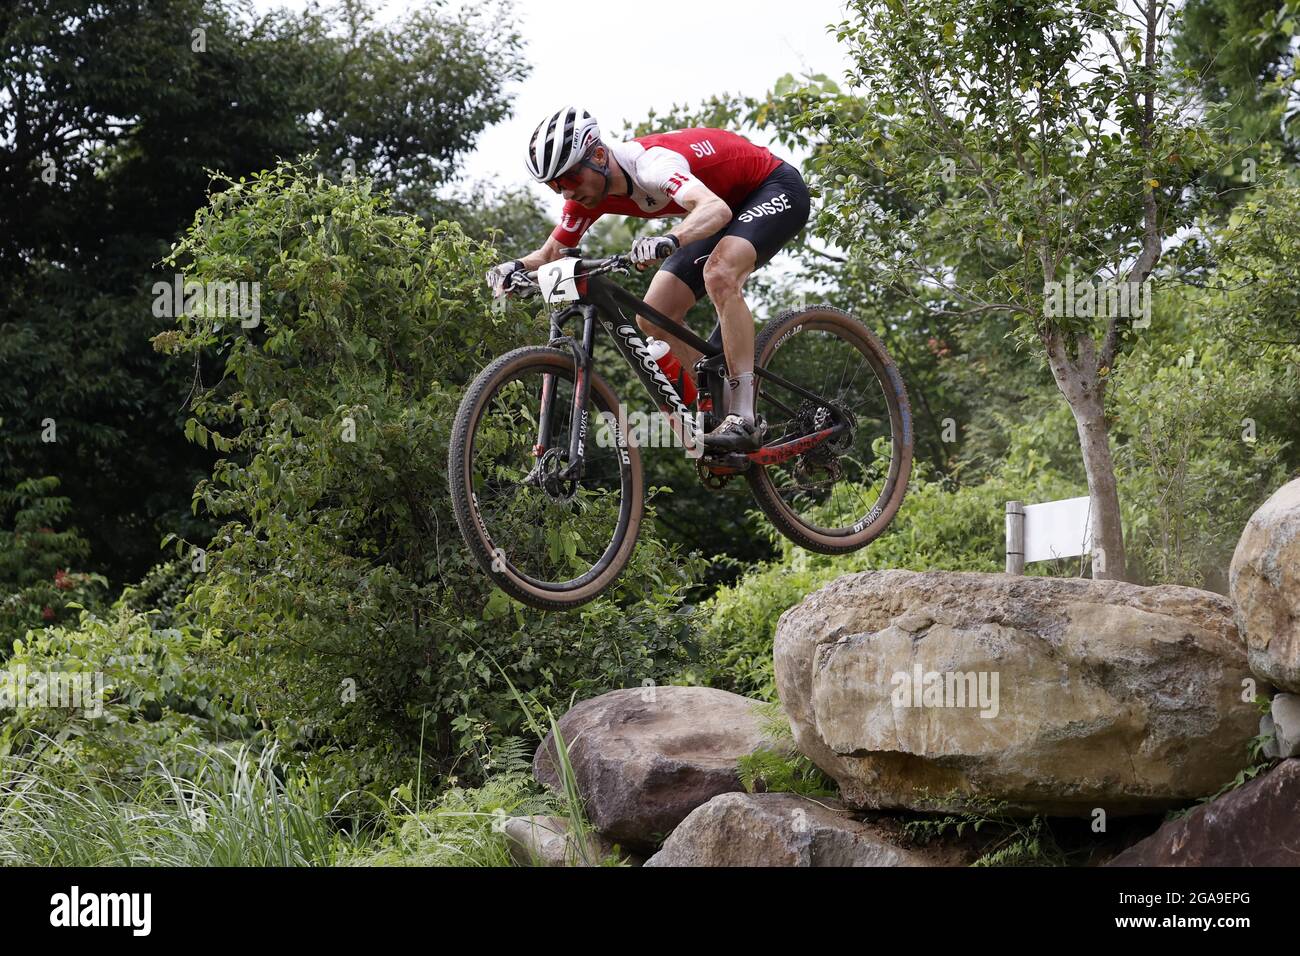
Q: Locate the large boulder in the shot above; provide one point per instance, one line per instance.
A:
(1264, 580)
(1254, 825)
(782, 829)
(1055, 695)
(644, 758)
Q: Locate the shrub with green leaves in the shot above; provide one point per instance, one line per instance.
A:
(941, 526)
(143, 693)
(36, 585)
(339, 576)
(1200, 456)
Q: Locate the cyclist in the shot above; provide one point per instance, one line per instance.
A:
(741, 205)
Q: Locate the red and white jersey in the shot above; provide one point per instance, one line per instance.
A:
(664, 167)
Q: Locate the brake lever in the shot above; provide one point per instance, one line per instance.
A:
(522, 287)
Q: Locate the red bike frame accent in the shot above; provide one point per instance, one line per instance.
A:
(775, 454)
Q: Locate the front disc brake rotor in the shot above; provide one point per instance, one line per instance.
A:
(549, 467)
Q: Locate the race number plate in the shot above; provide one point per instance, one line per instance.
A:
(557, 280)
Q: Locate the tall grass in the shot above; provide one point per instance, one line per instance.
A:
(234, 811)
(240, 808)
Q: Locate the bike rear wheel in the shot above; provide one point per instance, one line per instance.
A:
(550, 541)
(844, 492)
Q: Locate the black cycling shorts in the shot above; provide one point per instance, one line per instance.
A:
(769, 217)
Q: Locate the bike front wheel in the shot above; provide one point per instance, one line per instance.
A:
(843, 492)
(548, 536)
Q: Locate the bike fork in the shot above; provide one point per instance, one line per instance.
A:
(581, 388)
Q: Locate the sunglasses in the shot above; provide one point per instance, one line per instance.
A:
(571, 180)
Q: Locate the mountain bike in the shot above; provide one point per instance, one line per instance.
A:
(546, 479)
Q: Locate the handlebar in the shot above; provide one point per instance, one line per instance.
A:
(525, 284)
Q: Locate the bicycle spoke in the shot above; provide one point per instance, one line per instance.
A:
(546, 527)
(838, 484)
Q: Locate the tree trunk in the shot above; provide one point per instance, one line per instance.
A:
(1084, 390)
(1107, 526)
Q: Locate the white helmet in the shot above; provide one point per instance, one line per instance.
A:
(559, 142)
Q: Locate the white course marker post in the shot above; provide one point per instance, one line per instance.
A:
(1015, 537)
(1044, 532)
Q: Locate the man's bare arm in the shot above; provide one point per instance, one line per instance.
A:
(550, 251)
(706, 214)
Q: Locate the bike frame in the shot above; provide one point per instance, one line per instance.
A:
(602, 299)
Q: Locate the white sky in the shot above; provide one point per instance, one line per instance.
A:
(618, 60)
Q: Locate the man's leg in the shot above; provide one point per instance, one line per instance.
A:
(725, 274)
(674, 298)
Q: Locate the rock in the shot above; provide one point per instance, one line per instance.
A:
(1264, 581)
(1254, 825)
(1097, 694)
(1268, 730)
(782, 829)
(1285, 713)
(546, 841)
(644, 758)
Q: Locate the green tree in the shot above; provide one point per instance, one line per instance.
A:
(991, 149)
(111, 116)
(338, 574)
(1239, 54)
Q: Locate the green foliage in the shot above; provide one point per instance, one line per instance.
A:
(162, 591)
(36, 587)
(145, 694)
(781, 768)
(941, 526)
(1237, 56)
(1251, 297)
(510, 220)
(111, 122)
(1198, 456)
(230, 809)
(1009, 840)
(461, 827)
(464, 827)
(339, 575)
(767, 771)
(968, 123)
